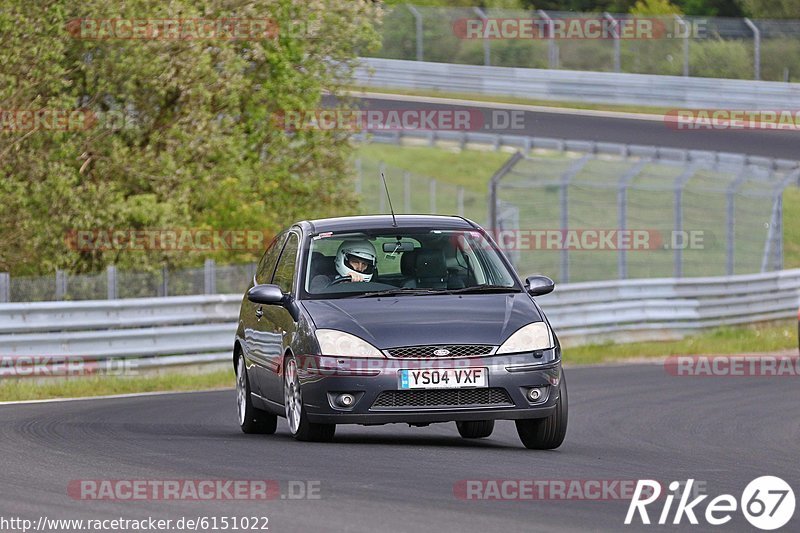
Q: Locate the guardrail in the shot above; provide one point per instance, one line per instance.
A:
(155, 332)
(193, 330)
(524, 143)
(669, 308)
(680, 45)
(578, 86)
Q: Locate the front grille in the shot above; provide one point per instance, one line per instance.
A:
(443, 398)
(456, 350)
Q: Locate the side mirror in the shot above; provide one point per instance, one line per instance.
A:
(539, 285)
(265, 294)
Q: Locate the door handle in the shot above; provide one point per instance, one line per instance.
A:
(259, 312)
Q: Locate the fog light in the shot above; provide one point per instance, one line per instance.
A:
(345, 400)
(534, 394)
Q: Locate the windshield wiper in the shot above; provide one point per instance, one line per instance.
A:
(484, 288)
(417, 292)
(393, 292)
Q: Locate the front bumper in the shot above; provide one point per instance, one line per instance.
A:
(322, 378)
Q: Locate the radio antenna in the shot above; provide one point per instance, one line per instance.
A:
(394, 220)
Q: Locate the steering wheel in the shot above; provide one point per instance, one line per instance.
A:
(339, 279)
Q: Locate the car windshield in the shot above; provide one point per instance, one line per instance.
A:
(406, 262)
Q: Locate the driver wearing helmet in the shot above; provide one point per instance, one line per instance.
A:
(355, 261)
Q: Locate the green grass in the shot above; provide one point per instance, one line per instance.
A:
(469, 169)
(791, 227)
(74, 387)
(653, 110)
(756, 338)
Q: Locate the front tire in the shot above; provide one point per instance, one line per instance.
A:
(251, 419)
(299, 426)
(546, 433)
(477, 429)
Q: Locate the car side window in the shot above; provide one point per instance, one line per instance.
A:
(267, 264)
(284, 274)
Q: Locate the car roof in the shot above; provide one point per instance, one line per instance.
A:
(372, 222)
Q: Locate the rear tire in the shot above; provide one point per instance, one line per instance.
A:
(251, 419)
(546, 433)
(296, 418)
(475, 429)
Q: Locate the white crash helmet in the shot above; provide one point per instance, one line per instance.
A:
(362, 249)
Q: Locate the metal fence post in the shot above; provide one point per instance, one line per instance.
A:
(210, 276)
(493, 183)
(773, 247)
(730, 219)
(460, 201)
(686, 31)
(622, 209)
(680, 183)
(766, 257)
(5, 287)
(165, 281)
(616, 36)
(756, 48)
(552, 47)
(563, 196)
(61, 284)
(418, 24)
(111, 282)
(432, 194)
(487, 50)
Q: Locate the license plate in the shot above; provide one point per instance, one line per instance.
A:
(443, 378)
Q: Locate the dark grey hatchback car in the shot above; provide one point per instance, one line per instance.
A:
(414, 319)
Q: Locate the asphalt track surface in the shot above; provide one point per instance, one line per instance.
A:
(626, 422)
(768, 143)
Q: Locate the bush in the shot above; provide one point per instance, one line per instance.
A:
(721, 59)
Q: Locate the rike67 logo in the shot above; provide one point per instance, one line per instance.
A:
(767, 503)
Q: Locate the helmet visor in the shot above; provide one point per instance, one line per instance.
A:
(359, 264)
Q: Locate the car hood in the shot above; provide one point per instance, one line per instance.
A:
(417, 320)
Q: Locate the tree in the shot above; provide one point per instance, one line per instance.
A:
(771, 9)
(505, 4)
(654, 7)
(198, 147)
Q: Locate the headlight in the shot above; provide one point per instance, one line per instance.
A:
(339, 343)
(536, 336)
